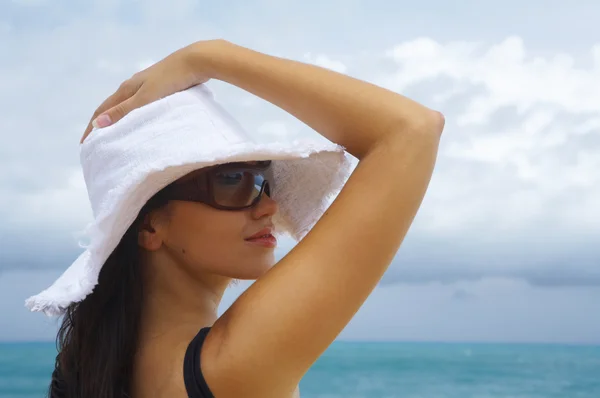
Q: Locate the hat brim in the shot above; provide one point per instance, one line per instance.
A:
(307, 174)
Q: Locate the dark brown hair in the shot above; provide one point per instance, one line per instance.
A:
(97, 339)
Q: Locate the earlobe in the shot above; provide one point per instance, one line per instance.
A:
(149, 239)
(152, 230)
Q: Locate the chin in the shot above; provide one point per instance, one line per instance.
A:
(254, 271)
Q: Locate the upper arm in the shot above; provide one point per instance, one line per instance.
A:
(279, 326)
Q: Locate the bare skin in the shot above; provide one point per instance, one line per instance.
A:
(268, 339)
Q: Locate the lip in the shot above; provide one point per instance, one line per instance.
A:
(269, 241)
(264, 231)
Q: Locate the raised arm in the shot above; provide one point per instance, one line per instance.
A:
(273, 333)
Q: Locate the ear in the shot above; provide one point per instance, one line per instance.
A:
(148, 236)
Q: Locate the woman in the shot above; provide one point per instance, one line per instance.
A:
(164, 302)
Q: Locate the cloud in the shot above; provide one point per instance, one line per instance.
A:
(509, 75)
(490, 309)
(520, 153)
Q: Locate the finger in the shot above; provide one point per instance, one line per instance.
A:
(88, 129)
(107, 104)
(117, 97)
(117, 112)
(125, 91)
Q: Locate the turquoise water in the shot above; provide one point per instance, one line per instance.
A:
(389, 370)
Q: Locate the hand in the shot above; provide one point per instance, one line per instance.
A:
(174, 73)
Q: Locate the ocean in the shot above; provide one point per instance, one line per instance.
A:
(389, 370)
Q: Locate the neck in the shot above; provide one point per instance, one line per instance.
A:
(175, 299)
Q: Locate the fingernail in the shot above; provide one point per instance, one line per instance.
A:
(101, 121)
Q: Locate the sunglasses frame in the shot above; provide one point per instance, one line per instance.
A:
(205, 195)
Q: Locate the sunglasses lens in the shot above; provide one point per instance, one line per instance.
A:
(230, 187)
(237, 188)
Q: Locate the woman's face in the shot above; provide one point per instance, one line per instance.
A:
(203, 239)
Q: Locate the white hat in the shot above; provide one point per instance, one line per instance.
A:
(125, 164)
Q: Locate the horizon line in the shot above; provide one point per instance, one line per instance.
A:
(407, 341)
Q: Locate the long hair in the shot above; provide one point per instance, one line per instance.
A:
(98, 336)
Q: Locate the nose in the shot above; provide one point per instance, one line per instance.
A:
(265, 206)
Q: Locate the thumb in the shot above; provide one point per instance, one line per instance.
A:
(116, 113)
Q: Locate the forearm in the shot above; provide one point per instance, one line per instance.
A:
(347, 111)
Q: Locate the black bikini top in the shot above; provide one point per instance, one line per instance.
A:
(195, 384)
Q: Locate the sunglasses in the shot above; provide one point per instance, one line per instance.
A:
(229, 186)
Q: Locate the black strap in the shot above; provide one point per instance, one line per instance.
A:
(195, 384)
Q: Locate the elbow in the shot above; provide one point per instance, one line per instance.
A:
(439, 122)
(426, 122)
(428, 126)
(433, 123)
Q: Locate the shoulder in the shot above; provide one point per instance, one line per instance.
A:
(158, 365)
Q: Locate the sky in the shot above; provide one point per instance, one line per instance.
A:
(505, 246)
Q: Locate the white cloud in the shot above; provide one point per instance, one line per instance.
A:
(508, 74)
(507, 174)
(62, 205)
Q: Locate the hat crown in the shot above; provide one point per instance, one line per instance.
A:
(189, 124)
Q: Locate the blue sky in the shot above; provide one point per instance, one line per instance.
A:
(505, 246)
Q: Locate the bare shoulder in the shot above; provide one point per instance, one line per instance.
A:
(158, 367)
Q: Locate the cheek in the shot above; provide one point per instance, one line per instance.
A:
(212, 241)
(206, 232)
(204, 237)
